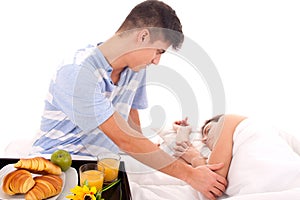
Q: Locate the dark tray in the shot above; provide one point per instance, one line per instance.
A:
(121, 191)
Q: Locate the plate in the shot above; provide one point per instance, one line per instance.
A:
(9, 168)
(70, 182)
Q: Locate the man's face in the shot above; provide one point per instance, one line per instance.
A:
(147, 55)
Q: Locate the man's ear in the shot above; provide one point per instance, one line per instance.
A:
(143, 36)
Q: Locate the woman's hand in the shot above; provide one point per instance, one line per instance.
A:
(187, 152)
(183, 122)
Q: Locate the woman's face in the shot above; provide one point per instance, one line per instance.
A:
(211, 132)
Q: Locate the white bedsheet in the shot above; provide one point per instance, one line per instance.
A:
(147, 184)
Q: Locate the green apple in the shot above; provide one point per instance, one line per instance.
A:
(62, 158)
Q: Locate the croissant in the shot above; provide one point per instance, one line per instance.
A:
(38, 165)
(17, 182)
(45, 186)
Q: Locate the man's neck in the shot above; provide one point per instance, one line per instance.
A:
(114, 50)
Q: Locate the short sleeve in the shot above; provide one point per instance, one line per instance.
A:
(77, 91)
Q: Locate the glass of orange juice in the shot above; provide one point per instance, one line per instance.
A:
(111, 163)
(92, 174)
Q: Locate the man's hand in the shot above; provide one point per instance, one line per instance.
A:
(206, 181)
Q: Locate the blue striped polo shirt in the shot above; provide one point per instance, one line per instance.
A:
(81, 97)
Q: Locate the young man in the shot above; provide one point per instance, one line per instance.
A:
(94, 97)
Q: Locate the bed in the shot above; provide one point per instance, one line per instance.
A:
(149, 184)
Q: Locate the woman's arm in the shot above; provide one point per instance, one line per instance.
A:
(222, 151)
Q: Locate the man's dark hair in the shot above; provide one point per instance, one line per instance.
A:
(157, 17)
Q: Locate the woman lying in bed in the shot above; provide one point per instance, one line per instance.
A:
(257, 158)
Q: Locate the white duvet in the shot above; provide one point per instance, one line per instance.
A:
(265, 166)
(262, 162)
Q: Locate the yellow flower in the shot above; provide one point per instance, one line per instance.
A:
(82, 193)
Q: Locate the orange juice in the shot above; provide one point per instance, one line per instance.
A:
(93, 178)
(111, 168)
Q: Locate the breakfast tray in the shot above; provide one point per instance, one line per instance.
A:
(120, 191)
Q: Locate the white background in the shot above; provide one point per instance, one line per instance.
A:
(255, 46)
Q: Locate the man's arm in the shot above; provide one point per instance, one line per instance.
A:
(135, 144)
(134, 120)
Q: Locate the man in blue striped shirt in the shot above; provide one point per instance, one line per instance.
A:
(94, 97)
